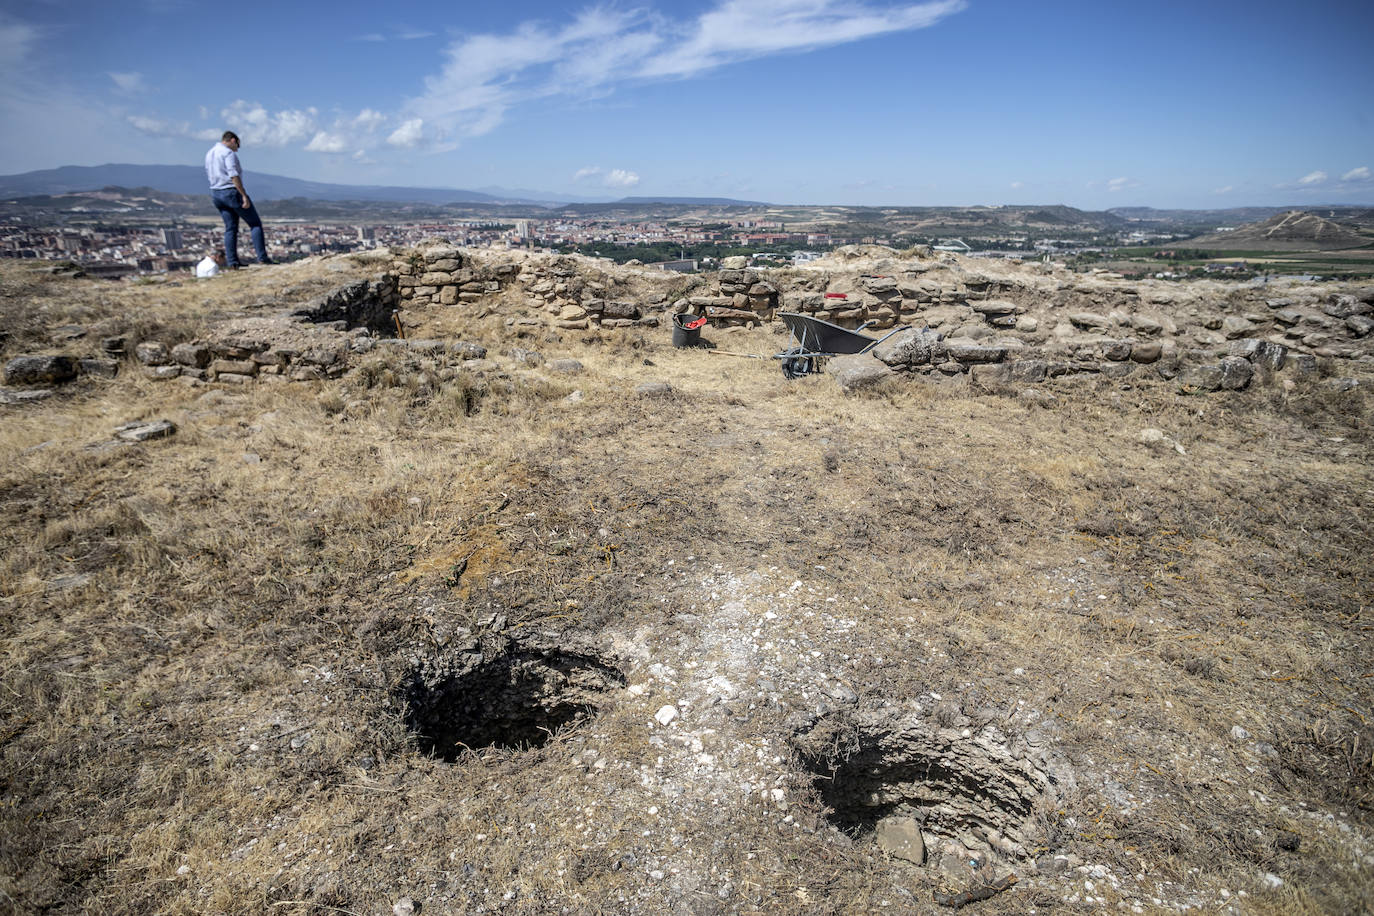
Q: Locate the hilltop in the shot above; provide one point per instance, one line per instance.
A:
(1293, 230)
(1061, 591)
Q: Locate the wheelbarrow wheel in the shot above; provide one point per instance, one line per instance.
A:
(796, 366)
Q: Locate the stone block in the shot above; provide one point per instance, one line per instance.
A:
(448, 295)
(234, 367)
(858, 371)
(620, 309)
(968, 352)
(99, 368)
(1027, 370)
(1146, 352)
(1089, 320)
(1236, 373)
(39, 370)
(151, 353)
(192, 354)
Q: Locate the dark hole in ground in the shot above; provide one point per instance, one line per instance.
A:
(515, 700)
(971, 797)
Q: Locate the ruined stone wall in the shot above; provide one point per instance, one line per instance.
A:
(440, 274)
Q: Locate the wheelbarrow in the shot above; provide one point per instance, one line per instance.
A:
(817, 339)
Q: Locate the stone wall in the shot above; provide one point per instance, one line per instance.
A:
(440, 274)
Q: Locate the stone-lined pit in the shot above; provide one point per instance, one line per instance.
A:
(975, 794)
(515, 699)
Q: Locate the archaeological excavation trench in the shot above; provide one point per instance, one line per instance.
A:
(515, 698)
(975, 794)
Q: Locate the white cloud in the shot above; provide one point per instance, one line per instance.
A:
(615, 178)
(412, 34)
(1316, 177)
(1121, 184)
(259, 127)
(484, 75)
(368, 120)
(1359, 174)
(1226, 190)
(1017, 185)
(129, 83)
(325, 142)
(371, 36)
(408, 134)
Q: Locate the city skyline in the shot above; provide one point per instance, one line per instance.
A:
(788, 101)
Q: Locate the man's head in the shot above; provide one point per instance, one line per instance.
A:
(230, 139)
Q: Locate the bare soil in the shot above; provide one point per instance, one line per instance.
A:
(528, 641)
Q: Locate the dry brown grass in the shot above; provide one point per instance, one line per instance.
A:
(202, 637)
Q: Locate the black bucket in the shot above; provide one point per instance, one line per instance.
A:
(684, 336)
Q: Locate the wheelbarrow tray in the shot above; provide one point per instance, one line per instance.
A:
(819, 337)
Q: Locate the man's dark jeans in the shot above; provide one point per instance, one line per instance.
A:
(227, 203)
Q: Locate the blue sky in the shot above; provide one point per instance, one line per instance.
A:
(1091, 104)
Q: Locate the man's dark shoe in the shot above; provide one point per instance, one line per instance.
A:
(267, 261)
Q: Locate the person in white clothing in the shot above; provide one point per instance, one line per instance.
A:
(210, 265)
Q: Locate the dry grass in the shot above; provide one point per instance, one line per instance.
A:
(202, 637)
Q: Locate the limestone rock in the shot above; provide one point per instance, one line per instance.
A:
(1090, 320)
(192, 354)
(100, 368)
(1236, 373)
(1027, 370)
(1234, 326)
(900, 837)
(151, 353)
(142, 432)
(968, 352)
(1146, 352)
(860, 370)
(911, 347)
(1360, 325)
(39, 370)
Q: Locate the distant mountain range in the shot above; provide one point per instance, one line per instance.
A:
(189, 179)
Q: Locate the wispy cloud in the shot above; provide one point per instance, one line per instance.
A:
(181, 130)
(1226, 190)
(16, 40)
(483, 76)
(1121, 184)
(128, 83)
(1357, 174)
(1017, 185)
(1316, 177)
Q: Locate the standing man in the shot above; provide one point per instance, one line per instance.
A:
(231, 200)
